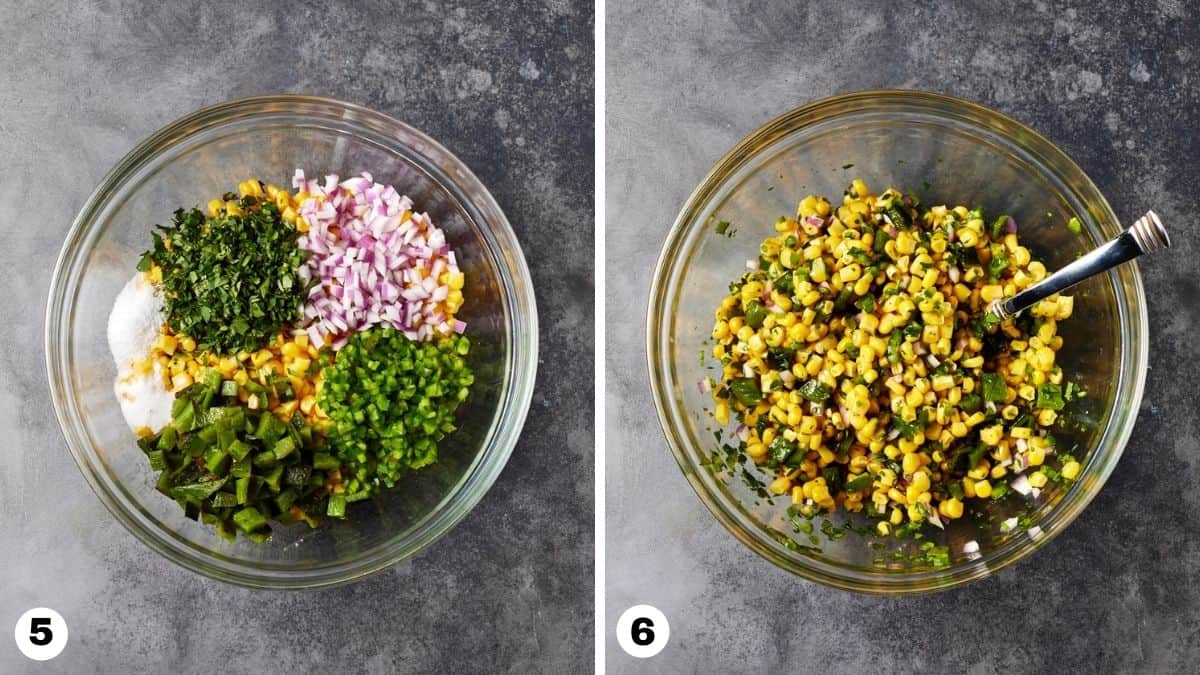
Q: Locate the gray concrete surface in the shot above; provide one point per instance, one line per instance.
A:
(1116, 85)
(506, 86)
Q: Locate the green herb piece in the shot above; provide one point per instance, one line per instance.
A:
(860, 256)
(814, 391)
(881, 240)
(909, 430)
(893, 346)
(230, 282)
(997, 228)
(784, 283)
(779, 450)
(861, 482)
(971, 403)
(984, 324)
(994, 388)
(898, 217)
(755, 313)
(746, 390)
(1050, 396)
(975, 455)
(1074, 225)
(999, 262)
(780, 358)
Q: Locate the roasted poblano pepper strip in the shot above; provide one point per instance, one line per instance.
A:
(236, 469)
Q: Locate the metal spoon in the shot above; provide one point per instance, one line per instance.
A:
(1147, 235)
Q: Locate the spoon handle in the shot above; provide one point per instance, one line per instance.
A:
(1147, 235)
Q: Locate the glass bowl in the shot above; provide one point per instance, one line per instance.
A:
(947, 151)
(205, 154)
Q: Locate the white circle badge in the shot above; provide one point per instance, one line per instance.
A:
(41, 634)
(643, 631)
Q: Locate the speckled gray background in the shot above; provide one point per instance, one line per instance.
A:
(506, 86)
(1116, 86)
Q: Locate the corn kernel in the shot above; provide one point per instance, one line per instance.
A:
(1070, 470)
(951, 508)
(1035, 456)
(983, 489)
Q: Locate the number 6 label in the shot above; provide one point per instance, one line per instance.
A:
(643, 631)
(41, 634)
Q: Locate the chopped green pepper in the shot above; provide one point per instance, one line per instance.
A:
(1050, 397)
(994, 388)
(746, 390)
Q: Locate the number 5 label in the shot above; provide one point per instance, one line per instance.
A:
(41, 634)
(643, 631)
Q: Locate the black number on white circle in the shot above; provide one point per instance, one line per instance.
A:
(39, 631)
(642, 635)
(643, 631)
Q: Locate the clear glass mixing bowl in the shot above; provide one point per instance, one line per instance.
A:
(947, 151)
(205, 154)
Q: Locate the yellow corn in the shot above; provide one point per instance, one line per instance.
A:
(866, 373)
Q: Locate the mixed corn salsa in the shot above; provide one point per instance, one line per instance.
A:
(285, 353)
(865, 375)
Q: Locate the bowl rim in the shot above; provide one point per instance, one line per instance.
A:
(1135, 346)
(517, 296)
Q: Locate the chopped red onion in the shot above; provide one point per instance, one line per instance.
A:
(375, 261)
(1021, 485)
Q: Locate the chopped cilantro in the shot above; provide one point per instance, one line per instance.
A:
(229, 282)
(814, 391)
(994, 388)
